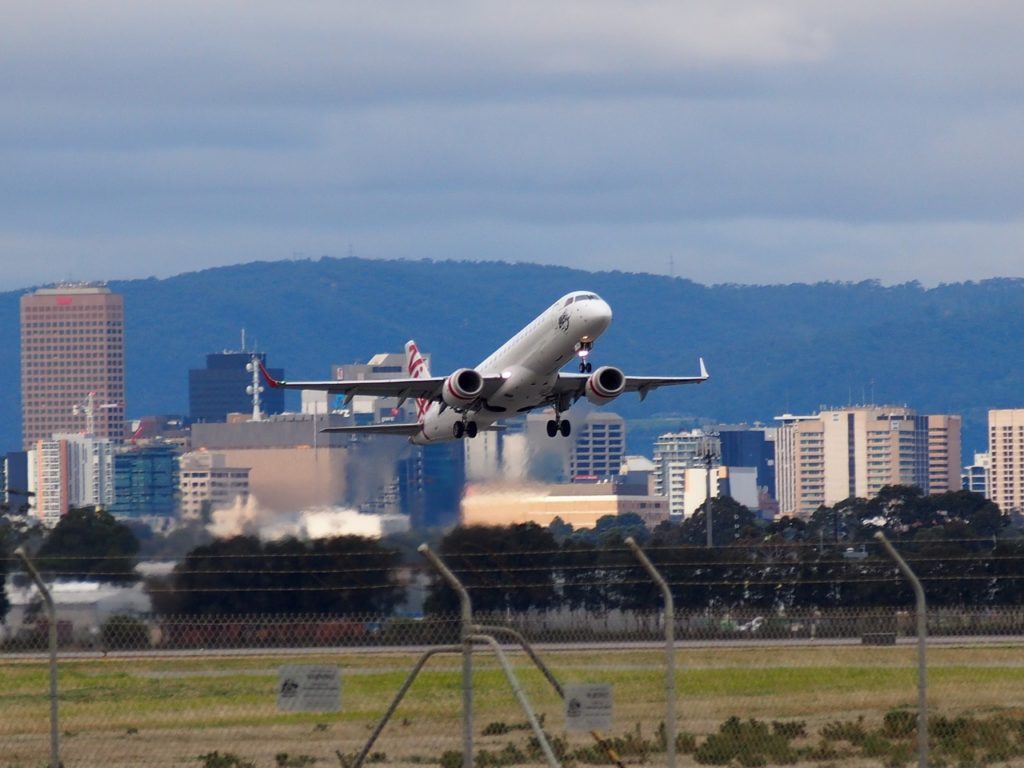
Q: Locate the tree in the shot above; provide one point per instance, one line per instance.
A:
(5, 556)
(89, 544)
(504, 568)
(340, 575)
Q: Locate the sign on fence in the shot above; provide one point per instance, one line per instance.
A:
(588, 707)
(308, 688)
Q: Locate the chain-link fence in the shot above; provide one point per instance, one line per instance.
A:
(833, 687)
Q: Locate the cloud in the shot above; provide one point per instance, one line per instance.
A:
(590, 133)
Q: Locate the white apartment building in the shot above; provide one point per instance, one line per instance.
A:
(70, 471)
(824, 458)
(1006, 458)
(674, 454)
(975, 476)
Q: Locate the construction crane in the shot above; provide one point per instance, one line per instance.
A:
(89, 408)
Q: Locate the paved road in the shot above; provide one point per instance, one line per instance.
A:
(613, 646)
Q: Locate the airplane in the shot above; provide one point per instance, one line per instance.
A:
(522, 375)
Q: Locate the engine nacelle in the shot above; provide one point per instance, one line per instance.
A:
(462, 388)
(605, 384)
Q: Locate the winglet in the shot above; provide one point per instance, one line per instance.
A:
(703, 370)
(271, 381)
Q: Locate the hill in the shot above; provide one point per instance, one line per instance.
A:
(954, 348)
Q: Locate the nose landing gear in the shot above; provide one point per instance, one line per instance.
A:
(582, 351)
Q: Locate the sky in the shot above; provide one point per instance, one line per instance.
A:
(735, 142)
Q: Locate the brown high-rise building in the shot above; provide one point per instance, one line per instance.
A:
(72, 363)
(857, 451)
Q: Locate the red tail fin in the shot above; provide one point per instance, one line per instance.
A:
(416, 368)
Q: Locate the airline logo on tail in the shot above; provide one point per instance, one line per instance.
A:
(416, 367)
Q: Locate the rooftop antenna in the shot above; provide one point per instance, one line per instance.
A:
(672, 265)
(254, 389)
(243, 339)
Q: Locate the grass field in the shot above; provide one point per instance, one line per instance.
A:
(168, 712)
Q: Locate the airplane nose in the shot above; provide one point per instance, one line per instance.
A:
(599, 316)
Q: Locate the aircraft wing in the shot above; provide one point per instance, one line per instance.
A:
(427, 387)
(575, 383)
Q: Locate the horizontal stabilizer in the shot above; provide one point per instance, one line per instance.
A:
(379, 429)
(396, 429)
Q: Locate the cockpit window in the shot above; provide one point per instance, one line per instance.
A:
(586, 297)
(569, 301)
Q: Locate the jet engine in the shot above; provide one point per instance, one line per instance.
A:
(605, 384)
(462, 388)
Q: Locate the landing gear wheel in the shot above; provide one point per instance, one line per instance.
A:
(552, 428)
(589, 368)
(458, 429)
(565, 428)
(471, 429)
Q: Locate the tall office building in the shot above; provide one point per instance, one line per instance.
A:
(1006, 458)
(12, 492)
(598, 447)
(824, 458)
(146, 482)
(220, 388)
(72, 363)
(943, 453)
(674, 454)
(744, 446)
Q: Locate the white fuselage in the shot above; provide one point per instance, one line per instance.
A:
(528, 362)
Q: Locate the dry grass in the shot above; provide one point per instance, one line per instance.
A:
(140, 712)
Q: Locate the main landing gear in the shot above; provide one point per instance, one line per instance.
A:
(557, 425)
(464, 429)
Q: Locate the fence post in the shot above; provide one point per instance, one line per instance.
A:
(51, 613)
(466, 633)
(670, 651)
(922, 665)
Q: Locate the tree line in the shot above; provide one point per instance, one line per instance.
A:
(964, 549)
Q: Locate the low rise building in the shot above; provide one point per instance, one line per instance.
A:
(208, 482)
(579, 504)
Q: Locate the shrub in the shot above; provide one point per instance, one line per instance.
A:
(899, 723)
(227, 760)
(125, 633)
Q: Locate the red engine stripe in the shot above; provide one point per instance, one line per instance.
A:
(456, 394)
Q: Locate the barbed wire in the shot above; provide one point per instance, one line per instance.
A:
(872, 562)
(555, 585)
(570, 549)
